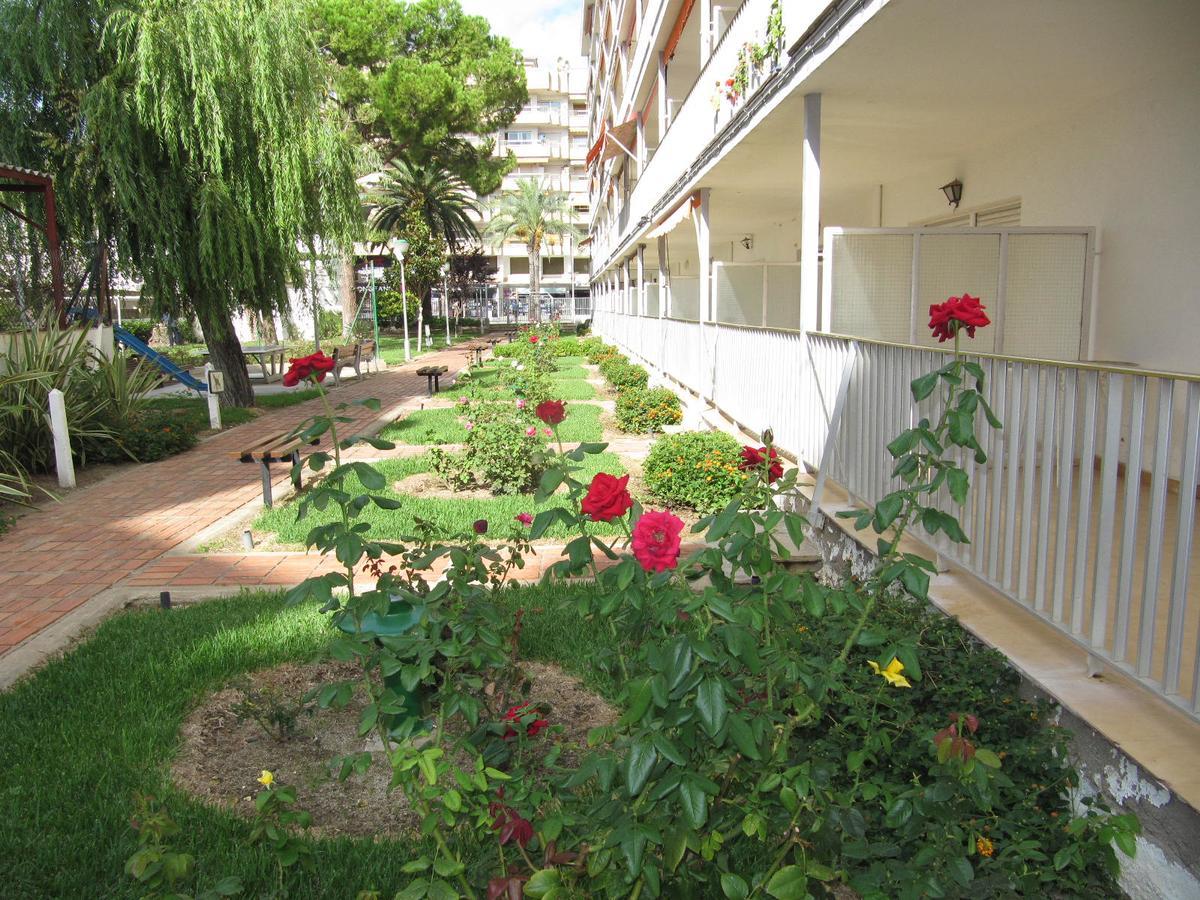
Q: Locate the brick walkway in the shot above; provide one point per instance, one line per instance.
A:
(117, 531)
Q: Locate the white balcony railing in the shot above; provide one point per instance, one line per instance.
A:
(1084, 511)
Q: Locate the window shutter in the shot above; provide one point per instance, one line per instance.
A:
(1007, 216)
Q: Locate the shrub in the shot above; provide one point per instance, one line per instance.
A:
(648, 410)
(499, 454)
(565, 346)
(141, 329)
(146, 435)
(99, 395)
(590, 345)
(329, 323)
(696, 469)
(624, 375)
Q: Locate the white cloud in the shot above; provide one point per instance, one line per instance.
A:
(547, 29)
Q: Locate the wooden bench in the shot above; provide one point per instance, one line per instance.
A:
(432, 374)
(475, 352)
(348, 355)
(368, 352)
(281, 447)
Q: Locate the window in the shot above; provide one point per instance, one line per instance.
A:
(997, 215)
(518, 137)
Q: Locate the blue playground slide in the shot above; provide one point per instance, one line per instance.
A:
(143, 350)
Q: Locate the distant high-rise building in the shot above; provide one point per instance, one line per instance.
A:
(549, 140)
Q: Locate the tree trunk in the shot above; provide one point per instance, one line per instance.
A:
(535, 283)
(347, 278)
(225, 354)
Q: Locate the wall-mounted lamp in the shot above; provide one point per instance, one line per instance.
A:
(953, 192)
(748, 242)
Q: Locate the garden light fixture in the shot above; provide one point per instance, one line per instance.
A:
(953, 192)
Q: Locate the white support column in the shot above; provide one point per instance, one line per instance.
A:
(641, 146)
(626, 292)
(662, 96)
(705, 9)
(704, 252)
(641, 279)
(810, 213)
(664, 280)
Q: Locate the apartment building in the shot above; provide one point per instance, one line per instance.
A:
(549, 140)
(782, 188)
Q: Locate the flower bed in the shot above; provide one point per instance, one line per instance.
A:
(780, 736)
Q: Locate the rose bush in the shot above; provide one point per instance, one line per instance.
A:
(778, 736)
(700, 470)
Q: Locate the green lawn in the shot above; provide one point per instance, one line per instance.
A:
(452, 516)
(194, 410)
(88, 731)
(444, 426)
(569, 385)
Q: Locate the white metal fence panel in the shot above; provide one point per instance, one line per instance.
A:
(878, 284)
(1084, 511)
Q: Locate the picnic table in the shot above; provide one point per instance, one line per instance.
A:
(269, 358)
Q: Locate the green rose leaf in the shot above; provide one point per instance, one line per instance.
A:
(638, 765)
(789, 883)
(710, 704)
(734, 886)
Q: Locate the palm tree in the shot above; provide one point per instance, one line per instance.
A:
(441, 199)
(531, 213)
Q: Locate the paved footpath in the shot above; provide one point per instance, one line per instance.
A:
(122, 531)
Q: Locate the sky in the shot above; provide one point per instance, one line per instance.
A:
(543, 28)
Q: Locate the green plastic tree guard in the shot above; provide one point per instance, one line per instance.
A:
(400, 618)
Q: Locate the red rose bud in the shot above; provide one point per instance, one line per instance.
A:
(480, 526)
(607, 498)
(552, 412)
(524, 518)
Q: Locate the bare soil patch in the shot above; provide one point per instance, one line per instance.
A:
(426, 484)
(221, 756)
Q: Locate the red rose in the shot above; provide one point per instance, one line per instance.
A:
(607, 498)
(551, 411)
(656, 540)
(516, 713)
(317, 364)
(754, 459)
(321, 364)
(533, 339)
(480, 526)
(945, 319)
(299, 370)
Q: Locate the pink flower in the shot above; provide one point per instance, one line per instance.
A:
(656, 540)
(533, 339)
(530, 431)
(521, 403)
(524, 518)
(469, 426)
(548, 432)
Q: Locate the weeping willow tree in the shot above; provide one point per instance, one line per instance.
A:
(196, 136)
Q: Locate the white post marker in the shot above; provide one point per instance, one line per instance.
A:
(62, 440)
(216, 384)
